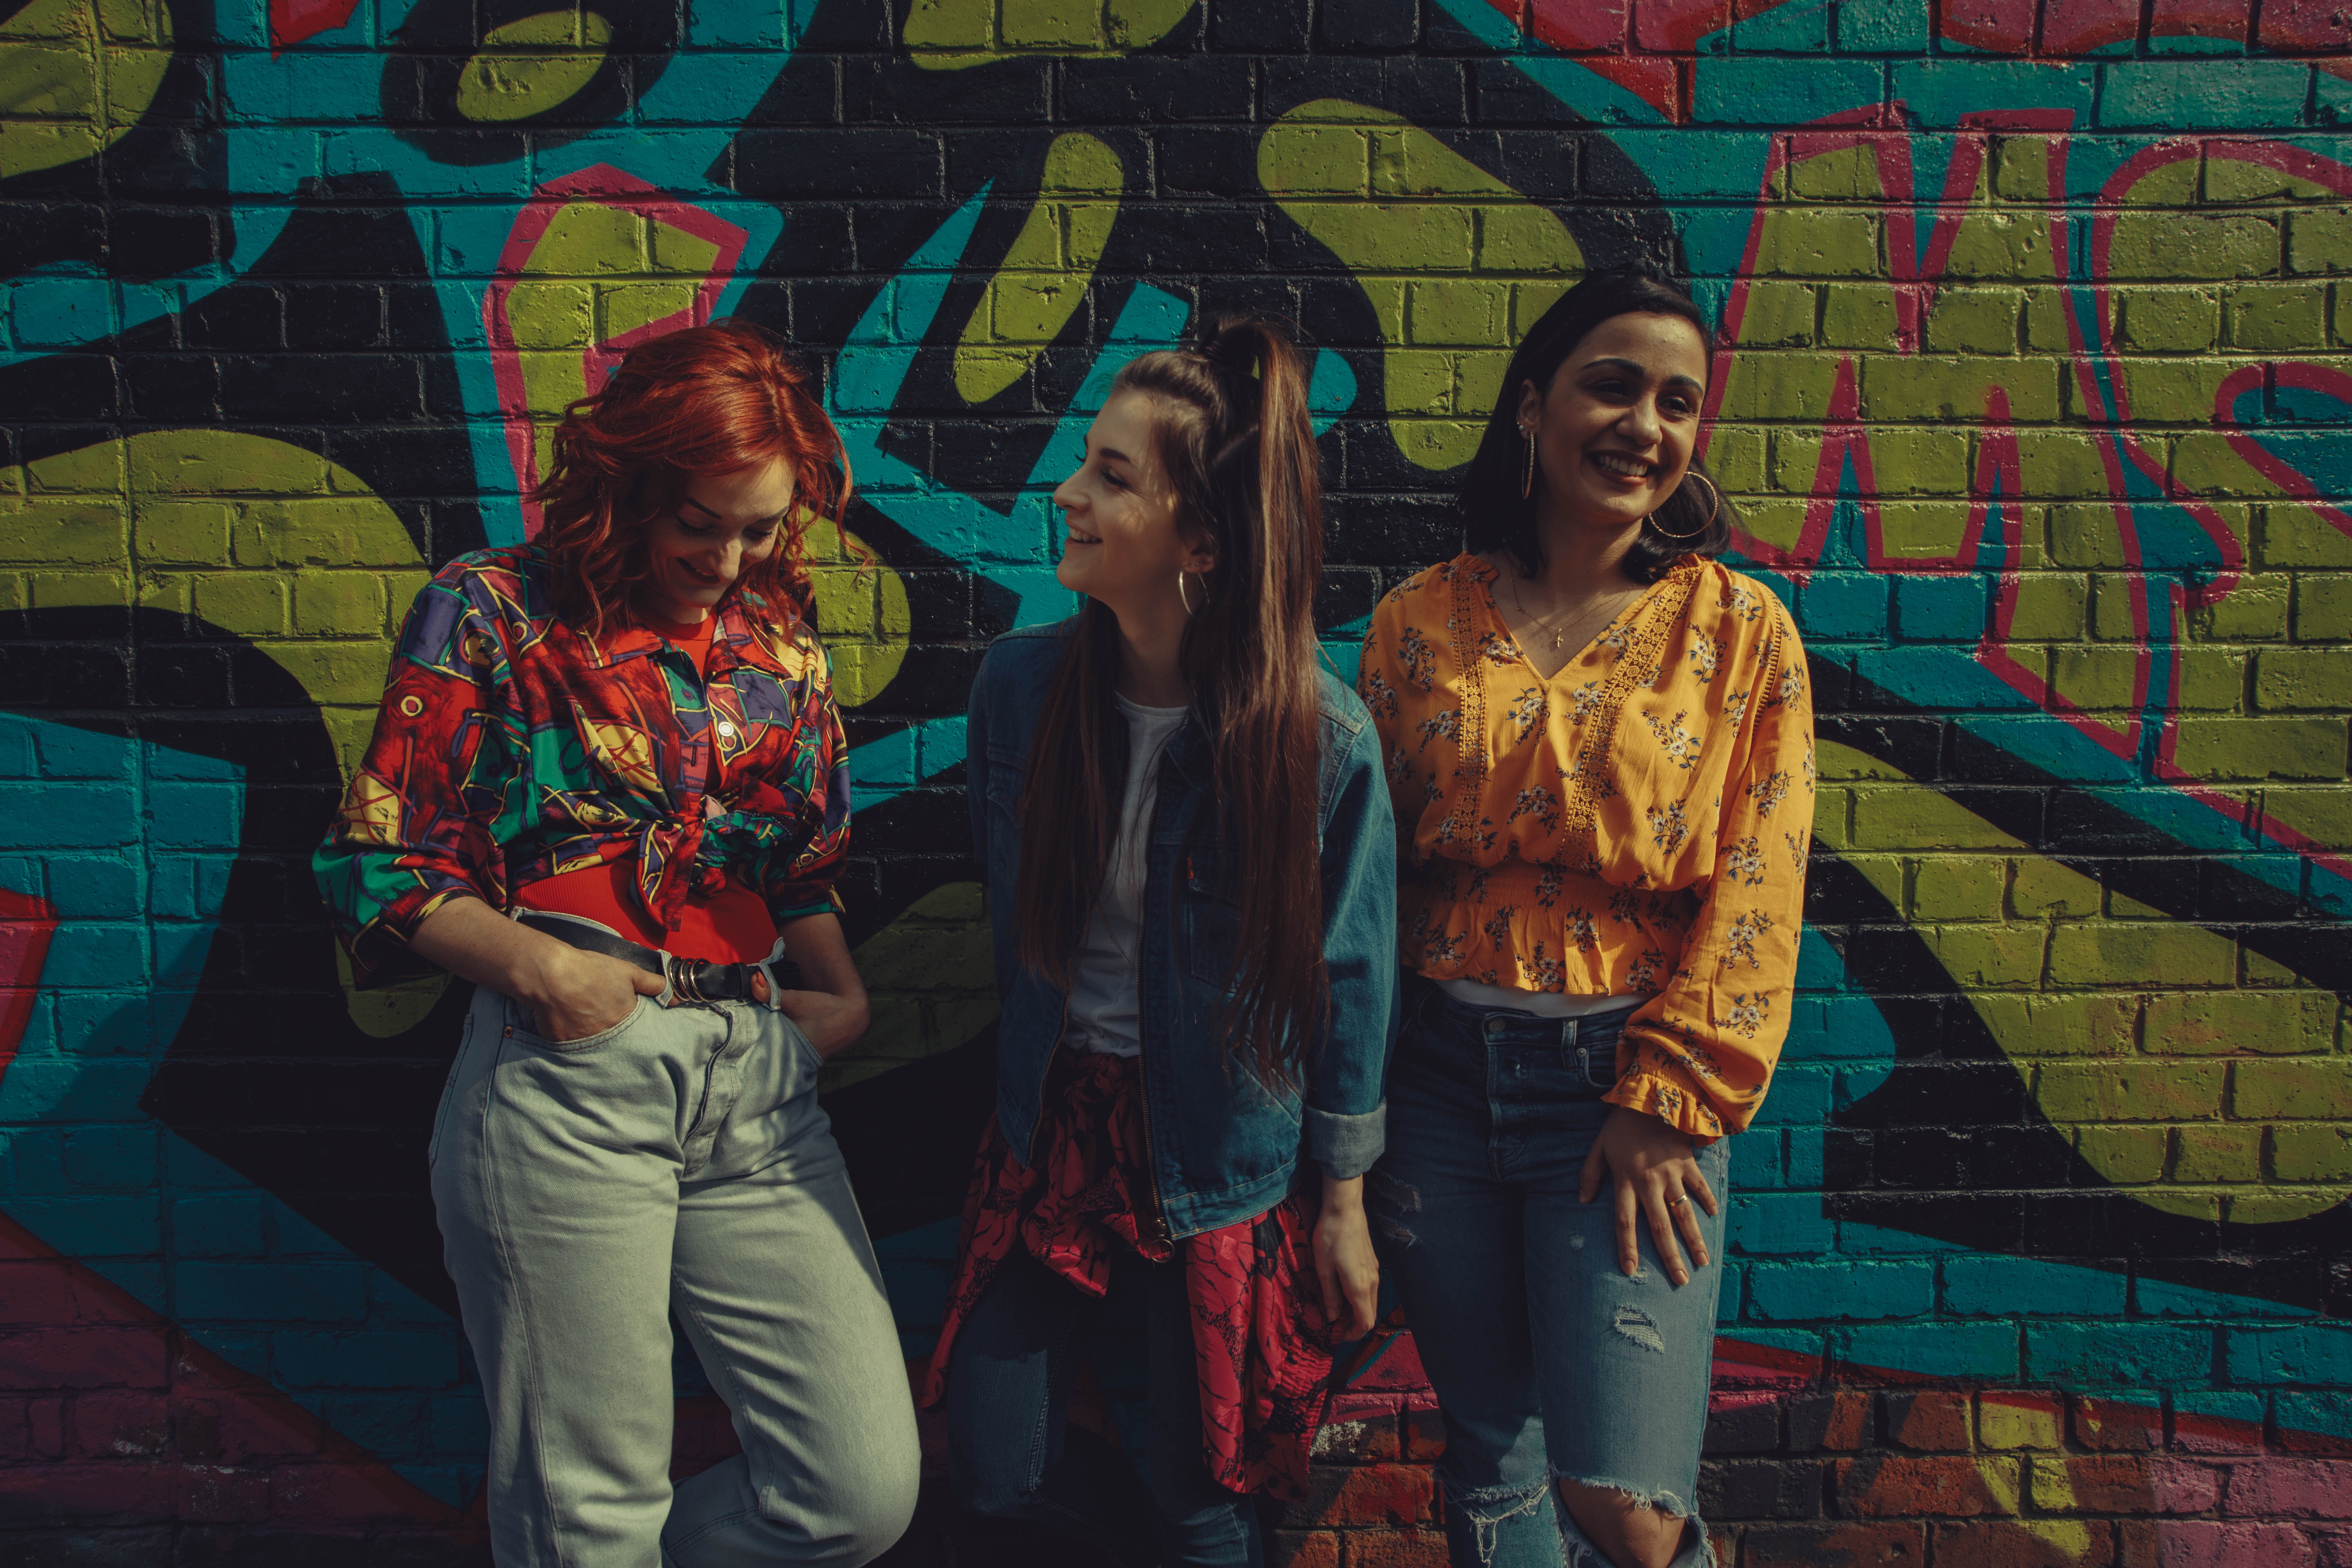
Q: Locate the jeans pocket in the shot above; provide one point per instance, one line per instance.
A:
(798, 1041)
(585, 1043)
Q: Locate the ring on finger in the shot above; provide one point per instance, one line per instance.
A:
(1680, 1199)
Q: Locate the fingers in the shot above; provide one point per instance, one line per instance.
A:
(1685, 1212)
(1662, 1233)
(1628, 1247)
(1326, 1277)
(758, 986)
(1587, 1184)
(1364, 1299)
(1693, 1181)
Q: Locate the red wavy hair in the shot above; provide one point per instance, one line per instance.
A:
(690, 403)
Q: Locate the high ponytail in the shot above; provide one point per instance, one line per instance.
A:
(1237, 443)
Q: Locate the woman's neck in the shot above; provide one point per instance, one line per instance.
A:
(1581, 560)
(1151, 664)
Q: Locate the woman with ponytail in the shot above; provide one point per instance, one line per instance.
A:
(608, 785)
(1601, 745)
(1190, 863)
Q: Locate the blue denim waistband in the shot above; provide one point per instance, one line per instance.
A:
(1428, 1004)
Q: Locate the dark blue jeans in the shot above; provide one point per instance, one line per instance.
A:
(1547, 1362)
(1011, 1453)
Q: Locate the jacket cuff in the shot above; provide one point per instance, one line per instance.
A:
(1346, 1146)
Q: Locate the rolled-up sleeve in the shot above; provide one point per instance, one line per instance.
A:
(423, 818)
(1700, 1054)
(1346, 1117)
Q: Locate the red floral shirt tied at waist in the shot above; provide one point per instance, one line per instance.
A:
(512, 749)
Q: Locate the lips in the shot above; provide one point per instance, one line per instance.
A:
(696, 574)
(1622, 466)
(1077, 538)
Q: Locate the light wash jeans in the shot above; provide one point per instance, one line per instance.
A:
(1546, 1360)
(676, 1163)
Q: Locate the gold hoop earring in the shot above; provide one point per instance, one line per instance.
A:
(1528, 480)
(1712, 511)
(1182, 596)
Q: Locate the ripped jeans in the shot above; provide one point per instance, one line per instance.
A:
(1547, 1360)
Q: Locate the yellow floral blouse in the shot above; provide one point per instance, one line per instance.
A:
(1636, 824)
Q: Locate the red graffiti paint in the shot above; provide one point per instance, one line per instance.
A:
(292, 21)
(603, 185)
(26, 923)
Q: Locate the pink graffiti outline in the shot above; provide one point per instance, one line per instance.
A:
(611, 187)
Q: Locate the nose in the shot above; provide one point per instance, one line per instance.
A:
(1641, 425)
(1066, 494)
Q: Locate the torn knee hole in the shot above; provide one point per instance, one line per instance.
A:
(1639, 1326)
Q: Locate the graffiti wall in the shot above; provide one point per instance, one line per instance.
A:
(2034, 382)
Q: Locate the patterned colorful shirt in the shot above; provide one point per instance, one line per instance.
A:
(1637, 823)
(511, 748)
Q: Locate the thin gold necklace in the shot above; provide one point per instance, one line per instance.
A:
(1560, 633)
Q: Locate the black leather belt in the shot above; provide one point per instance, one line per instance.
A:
(690, 979)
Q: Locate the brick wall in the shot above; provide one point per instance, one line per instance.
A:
(2034, 373)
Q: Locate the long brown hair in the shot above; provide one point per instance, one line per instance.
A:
(701, 401)
(1235, 438)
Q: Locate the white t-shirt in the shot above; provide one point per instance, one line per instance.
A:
(1542, 1004)
(1105, 1013)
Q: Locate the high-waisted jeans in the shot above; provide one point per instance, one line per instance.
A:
(676, 1163)
(1547, 1360)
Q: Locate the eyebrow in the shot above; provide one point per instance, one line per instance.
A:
(1107, 453)
(714, 517)
(1638, 368)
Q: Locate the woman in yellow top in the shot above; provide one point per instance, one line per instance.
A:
(1598, 742)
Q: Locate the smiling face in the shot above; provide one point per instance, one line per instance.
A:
(726, 524)
(1615, 429)
(1125, 545)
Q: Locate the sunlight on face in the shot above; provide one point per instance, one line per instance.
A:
(1125, 545)
(1615, 429)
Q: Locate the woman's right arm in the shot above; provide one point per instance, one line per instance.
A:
(572, 994)
(411, 867)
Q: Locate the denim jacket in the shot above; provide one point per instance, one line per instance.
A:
(1224, 1147)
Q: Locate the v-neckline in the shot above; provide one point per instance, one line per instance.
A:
(1495, 611)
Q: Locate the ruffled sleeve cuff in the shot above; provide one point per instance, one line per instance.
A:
(1670, 1093)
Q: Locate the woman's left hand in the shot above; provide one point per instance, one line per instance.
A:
(1657, 1175)
(834, 1012)
(1345, 1265)
(831, 1022)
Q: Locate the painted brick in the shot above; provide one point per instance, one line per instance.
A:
(1924, 1484)
(2138, 1355)
(1934, 1421)
(1789, 1291)
(1986, 1286)
(2193, 1543)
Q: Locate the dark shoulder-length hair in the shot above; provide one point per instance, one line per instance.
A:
(691, 403)
(1235, 438)
(1495, 516)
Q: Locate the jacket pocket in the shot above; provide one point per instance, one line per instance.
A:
(1211, 925)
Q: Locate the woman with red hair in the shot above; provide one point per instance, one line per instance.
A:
(608, 784)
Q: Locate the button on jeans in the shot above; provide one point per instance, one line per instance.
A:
(676, 1163)
(1547, 1360)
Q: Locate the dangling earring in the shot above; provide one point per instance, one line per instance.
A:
(1528, 480)
(1714, 509)
(1181, 595)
